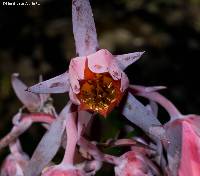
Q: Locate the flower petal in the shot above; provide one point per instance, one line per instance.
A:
(84, 28)
(58, 84)
(30, 100)
(48, 146)
(125, 60)
(76, 72)
(100, 61)
(124, 82)
(73, 97)
(190, 153)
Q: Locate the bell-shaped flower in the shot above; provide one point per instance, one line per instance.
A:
(95, 79)
(97, 82)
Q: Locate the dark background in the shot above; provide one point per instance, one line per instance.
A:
(39, 40)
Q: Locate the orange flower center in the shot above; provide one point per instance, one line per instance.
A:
(99, 92)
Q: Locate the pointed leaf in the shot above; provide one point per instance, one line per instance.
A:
(58, 84)
(125, 60)
(84, 28)
(30, 100)
(48, 146)
(137, 113)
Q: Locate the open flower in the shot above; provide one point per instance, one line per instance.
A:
(97, 82)
(95, 79)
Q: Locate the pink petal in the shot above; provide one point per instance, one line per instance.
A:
(124, 82)
(100, 61)
(125, 60)
(76, 72)
(30, 100)
(58, 84)
(73, 97)
(114, 70)
(190, 155)
(84, 28)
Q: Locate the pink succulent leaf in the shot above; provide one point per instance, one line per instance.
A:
(125, 60)
(43, 97)
(72, 137)
(154, 107)
(190, 153)
(49, 145)
(130, 142)
(137, 89)
(58, 84)
(84, 118)
(15, 133)
(17, 117)
(173, 146)
(84, 28)
(30, 100)
(151, 94)
(140, 116)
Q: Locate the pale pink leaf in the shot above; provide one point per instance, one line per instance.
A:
(125, 60)
(48, 146)
(84, 28)
(137, 113)
(173, 146)
(30, 100)
(84, 118)
(15, 133)
(58, 84)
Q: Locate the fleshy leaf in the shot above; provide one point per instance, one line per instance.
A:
(138, 114)
(58, 84)
(84, 118)
(84, 28)
(48, 146)
(125, 60)
(173, 147)
(30, 100)
(15, 133)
